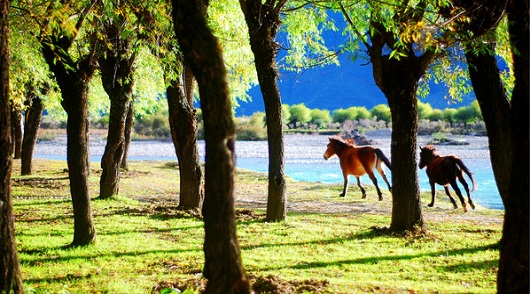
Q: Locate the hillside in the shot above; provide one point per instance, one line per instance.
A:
(333, 87)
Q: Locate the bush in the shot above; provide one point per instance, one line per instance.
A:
(320, 117)
(251, 128)
(153, 126)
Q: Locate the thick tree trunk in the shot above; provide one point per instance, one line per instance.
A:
(406, 201)
(127, 134)
(513, 272)
(10, 275)
(74, 90)
(398, 80)
(117, 79)
(183, 124)
(262, 41)
(16, 127)
(77, 157)
(31, 130)
(495, 107)
(223, 266)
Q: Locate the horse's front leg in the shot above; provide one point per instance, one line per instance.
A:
(361, 186)
(433, 194)
(345, 189)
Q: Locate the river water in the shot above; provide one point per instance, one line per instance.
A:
(304, 159)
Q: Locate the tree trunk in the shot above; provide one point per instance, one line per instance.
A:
(262, 41)
(406, 201)
(183, 124)
(74, 90)
(16, 128)
(129, 121)
(10, 275)
(223, 266)
(513, 264)
(398, 80)
(31, 130)
(78, 169)
(117, 79)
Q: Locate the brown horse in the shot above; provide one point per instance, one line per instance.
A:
(357, 161)
(444, 170)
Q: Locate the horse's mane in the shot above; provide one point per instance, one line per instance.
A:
(343, 141)
(431, 149)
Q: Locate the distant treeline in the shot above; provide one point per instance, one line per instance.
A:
(300, 118)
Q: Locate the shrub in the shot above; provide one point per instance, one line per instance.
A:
(320, 117)
(251, 128)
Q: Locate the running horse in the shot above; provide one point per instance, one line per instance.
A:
(357, 161)
(444, 170)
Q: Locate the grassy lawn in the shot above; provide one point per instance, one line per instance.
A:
(328, 244)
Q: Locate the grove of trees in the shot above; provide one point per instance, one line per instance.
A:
(89, 51)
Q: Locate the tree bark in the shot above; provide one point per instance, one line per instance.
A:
(16, 131)
(31, 130)
(223, 266)
(74, 89)
(129, 121)
(10, 275)
(117, 78)
(263, 21)
(398, 79)
(513, 263)
(183, 124)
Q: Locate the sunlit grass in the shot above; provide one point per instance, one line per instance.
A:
(143, 241)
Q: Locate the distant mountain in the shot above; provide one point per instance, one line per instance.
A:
(333, 87)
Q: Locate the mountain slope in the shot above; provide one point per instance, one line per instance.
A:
(333, 87)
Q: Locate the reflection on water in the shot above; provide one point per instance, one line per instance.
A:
(304, 160)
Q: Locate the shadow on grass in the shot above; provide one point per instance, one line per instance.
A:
(377, 259)
(42, 261)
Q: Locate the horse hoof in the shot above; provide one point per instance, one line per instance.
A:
(472, 205)
(364, 197)
(380, 198)
(342, 195)
(430, 204)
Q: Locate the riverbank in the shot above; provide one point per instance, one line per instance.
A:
(303, 158)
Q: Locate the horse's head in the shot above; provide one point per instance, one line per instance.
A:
(332, 148)
(426, 155)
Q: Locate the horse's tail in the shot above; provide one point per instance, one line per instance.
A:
(381, 156)
(461, 165)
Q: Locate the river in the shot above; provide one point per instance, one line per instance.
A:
(304, 159)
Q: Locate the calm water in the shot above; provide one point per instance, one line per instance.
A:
(304, 160)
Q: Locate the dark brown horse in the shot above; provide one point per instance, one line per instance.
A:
(444, 170)
(357, 161)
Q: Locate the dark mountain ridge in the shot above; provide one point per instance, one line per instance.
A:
(333, 87)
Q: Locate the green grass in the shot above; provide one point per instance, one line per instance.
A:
(337, 243)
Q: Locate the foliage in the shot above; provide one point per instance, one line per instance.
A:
(381, 112)
(299, 113)
(144, 241)
(228, 23)
(305, 27)
(351, 113)
(320, 117)
(251, 128)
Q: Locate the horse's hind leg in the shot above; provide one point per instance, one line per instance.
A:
(459, 194)
(466, 187)
(382, 173)
(450, 197)
(374, 180)
(361, 186)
